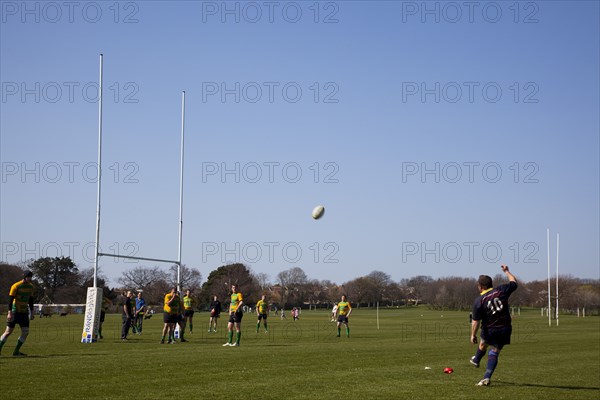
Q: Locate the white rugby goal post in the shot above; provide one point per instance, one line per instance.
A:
(94, 294)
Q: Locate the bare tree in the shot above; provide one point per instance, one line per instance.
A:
(416, 287)
(292, 282)
(191, 278)
(293, 277)
(141, 277)
(263, 280)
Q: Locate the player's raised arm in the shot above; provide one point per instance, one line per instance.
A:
(510, 276)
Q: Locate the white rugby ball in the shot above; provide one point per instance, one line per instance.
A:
(318, 212)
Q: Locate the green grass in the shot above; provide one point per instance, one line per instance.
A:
(304, 359)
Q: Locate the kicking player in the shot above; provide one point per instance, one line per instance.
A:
(344, 310)
(20, 311)
(491, 312)
(235, 317)
(262, 309)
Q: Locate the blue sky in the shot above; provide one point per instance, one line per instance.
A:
(362, 103)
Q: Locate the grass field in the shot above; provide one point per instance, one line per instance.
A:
(305, 360)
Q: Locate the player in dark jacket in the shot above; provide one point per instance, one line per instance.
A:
(491, 313)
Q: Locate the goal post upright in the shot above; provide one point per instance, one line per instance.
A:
(557, 244)
(93, 300)
(99, 184)
(181, 192)
(549, 300)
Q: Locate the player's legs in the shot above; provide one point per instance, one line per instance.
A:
(191, 319)
(102, 317)
(140, 322)
(164, 332)
(496, 339)
(339, 324)
(23, 320)
(258, 323)
(5, 335)
(172, 326)
(229, 333)
(492, 362)
(125, 327)
(481, 348)
(347, 328)
(182, 326)
(265, 323)
(21, 340)
(238, 333)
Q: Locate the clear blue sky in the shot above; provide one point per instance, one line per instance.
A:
(388, 90)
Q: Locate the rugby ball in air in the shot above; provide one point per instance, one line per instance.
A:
(318, 212)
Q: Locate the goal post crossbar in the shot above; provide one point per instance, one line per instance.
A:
(138, 258)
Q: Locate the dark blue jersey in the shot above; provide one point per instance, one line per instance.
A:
(491, 308)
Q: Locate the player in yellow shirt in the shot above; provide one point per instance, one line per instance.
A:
(171, 313)
(188, 312)
(235, 317)
(20, 311)
(344, 310)
(262, 310)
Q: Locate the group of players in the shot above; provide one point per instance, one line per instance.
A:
(490, 314)
(177, 311)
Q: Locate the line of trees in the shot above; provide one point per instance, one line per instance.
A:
(59, 280)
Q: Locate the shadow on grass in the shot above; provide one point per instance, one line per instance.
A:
(60, 355)
(537, 385)
(36, 356)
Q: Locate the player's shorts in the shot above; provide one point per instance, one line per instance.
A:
(343, 319)
(236, 317)
(170, 318)
(496, 337)
(19, 318)
(102, 316)
(262, 316)
(188, 313)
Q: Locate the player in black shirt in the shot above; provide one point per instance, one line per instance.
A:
(491, 313)
(215, 312)
(127, 314)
